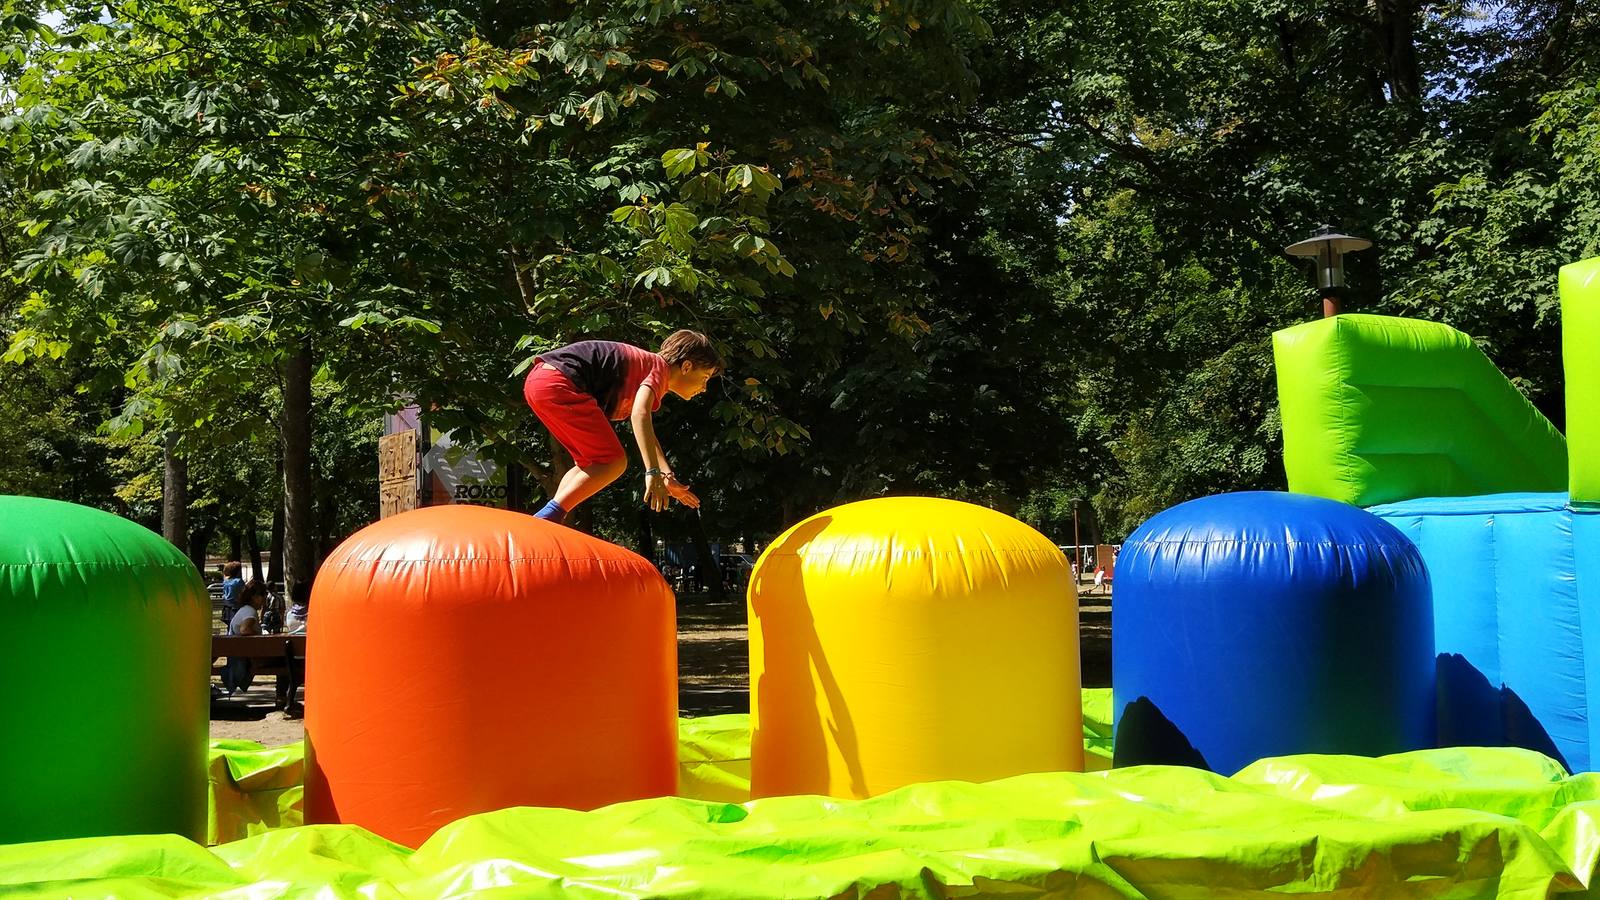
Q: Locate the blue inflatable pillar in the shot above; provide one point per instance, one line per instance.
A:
(1264, 624)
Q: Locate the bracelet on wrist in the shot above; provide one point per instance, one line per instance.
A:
(649, 472)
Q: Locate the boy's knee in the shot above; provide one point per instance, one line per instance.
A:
(611, 471)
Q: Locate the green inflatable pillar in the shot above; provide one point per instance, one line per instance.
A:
(1580, 332)
(104, 687)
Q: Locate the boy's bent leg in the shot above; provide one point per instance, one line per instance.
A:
(582, 482)
(575, 420)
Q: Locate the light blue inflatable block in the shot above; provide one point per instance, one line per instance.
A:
(1516, 578)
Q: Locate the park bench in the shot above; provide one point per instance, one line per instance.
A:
(283, 655)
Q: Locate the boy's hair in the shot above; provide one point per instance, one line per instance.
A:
(231, 569)
(253, 588)
(691, 346)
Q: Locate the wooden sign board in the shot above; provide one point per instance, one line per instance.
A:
(397, 473)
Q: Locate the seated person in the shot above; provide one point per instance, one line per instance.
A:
(237, 675)
(296, 622)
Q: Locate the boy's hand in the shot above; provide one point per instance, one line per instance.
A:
(681, 493)
(656, 491)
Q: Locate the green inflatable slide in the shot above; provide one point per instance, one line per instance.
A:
(1378, 409)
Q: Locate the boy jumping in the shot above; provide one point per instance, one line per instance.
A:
(579, 389)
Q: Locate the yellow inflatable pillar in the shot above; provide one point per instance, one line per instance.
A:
(911, 639)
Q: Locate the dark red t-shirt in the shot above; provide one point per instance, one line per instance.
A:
(610, 372)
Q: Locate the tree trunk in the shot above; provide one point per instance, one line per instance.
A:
(327, 527)
(786, 515)
(1286, 38)
(174, 494)
(1553, 57)
(647, 535)
(295, 431)
(524, 276)
(1397, 26)
(711, 572)
(516, 496)
(254, 543)
(235, 545)
(275, 566)
(200, 541)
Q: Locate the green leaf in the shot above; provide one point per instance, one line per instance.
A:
(678, 163)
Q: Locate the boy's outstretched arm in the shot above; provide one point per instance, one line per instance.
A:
(659, 482)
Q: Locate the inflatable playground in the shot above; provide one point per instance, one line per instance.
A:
(1374, 685)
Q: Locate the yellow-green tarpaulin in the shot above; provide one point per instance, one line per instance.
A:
(1435, 824)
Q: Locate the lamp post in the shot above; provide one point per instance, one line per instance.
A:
(1076, 563)
(1327, 248)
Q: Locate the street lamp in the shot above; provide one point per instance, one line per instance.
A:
(1076, 563)
(1327, 248)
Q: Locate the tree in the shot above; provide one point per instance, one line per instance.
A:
(199, 186)
(1016, 266)
(1182, 169)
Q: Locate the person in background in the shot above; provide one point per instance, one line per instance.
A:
(246, 621)
(295, 621)
(231, 585)
(1099, 579)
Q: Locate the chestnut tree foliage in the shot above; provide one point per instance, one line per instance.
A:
(1019, 253)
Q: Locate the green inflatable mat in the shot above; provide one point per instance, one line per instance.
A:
(1435, 824)
(255, 789)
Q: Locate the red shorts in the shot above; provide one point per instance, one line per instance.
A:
(573, 416)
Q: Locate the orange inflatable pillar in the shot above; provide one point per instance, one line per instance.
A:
(462, 659)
